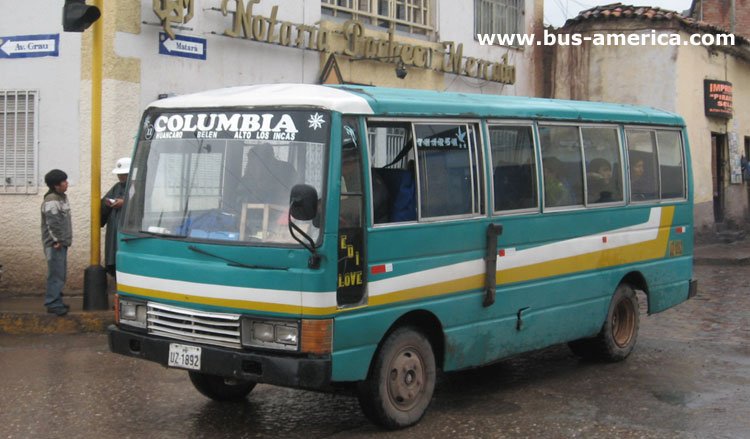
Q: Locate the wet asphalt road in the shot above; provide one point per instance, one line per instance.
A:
(688, 377)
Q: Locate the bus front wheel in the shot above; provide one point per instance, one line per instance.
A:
(619, 333)
(401, 382)
(220, 388)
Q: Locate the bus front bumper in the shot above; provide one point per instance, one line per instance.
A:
(287, 371)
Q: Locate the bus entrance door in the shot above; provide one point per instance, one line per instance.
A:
(351, 281)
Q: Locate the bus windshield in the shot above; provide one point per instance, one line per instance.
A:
(225, 175)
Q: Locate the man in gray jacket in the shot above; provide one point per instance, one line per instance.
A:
(57, 235)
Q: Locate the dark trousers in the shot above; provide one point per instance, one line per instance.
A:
(57, 268)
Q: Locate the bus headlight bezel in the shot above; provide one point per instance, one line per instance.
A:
(270, 334)
(133, 313)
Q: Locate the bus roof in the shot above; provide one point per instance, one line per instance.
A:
(392, 101)
(351, 99)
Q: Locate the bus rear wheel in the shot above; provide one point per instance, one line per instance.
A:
(619, 333)
(220, 388)
(401, 382)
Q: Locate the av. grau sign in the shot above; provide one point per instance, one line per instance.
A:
(348, 39)
(718, 98)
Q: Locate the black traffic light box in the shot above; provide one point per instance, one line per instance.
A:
(78, 16)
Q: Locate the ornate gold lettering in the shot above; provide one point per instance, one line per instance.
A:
(285, 33)
(352, 32)
(258, 26)
(173, 12)
(324, 40)
(420, 56)
(271, 37)
(470, 67)
(447, 58)
(237, 21)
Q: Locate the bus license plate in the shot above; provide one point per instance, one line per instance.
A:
(184, 356)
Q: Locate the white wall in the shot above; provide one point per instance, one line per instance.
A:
(58, 81)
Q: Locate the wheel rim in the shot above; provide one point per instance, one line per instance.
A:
(406, 379)
(623, 323)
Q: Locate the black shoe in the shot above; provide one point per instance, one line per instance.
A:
(58, 311)
(66, 306)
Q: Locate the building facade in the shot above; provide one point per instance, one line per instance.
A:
(154, 49)
(733, 15)
(708, 84)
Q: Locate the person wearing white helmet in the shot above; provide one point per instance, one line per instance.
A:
(111, 207)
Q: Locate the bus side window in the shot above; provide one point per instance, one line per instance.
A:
(644, 183)
(394, 196)
(513, 167)
(561, 163)
(445, 171)
(603, 168)
(671, 164)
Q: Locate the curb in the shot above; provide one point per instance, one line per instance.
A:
(738, 260)
(16, 323)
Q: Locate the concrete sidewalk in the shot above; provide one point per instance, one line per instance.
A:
(27, 315)
(735, 253)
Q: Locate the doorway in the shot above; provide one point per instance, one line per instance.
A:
(718, 168)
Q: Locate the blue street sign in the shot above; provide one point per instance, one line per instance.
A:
(29, 46)
(184, 46)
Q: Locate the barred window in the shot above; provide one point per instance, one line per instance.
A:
(498, 16)
(412, 16)
(18, 141)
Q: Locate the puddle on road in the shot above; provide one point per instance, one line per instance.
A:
(674, 397)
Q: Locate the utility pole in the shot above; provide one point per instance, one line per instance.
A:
(77, 17)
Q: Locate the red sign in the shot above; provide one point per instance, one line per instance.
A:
(718, 98)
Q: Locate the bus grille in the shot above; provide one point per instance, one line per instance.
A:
(199, 326)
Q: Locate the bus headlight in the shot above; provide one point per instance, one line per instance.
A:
(272, 334)
(132, 312)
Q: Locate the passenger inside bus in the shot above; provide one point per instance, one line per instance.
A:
(558, 191)
(266, 179)
(642, 177)
(263, 193)
(601, 185)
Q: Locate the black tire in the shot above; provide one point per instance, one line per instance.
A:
(401, 382)
(220, 388)
(619, 332)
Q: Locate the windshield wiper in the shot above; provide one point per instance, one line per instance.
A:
(232, 263)
(147, 234)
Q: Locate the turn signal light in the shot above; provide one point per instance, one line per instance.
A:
(317, 336)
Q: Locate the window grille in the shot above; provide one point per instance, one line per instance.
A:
(18, 141)
(498, 16)
(413, 16)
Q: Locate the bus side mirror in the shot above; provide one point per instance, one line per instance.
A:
(303, 202)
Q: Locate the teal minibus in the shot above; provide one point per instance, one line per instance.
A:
(361, 239)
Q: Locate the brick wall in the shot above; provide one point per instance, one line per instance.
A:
(717, 12)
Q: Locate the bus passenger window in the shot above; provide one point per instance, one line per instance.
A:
(513, 167)
(394, 193)
(445, 171)
(603, 169)
(561, 162)
(671, 164)
(644, 183)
